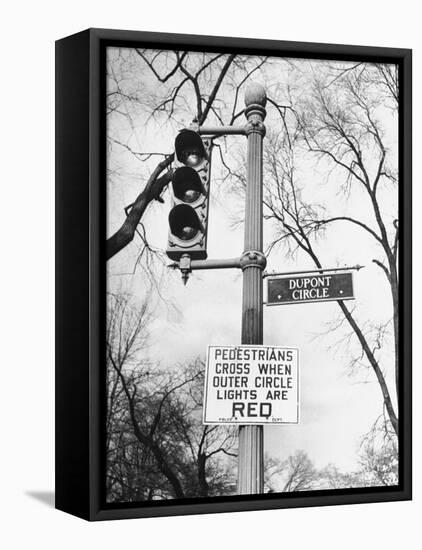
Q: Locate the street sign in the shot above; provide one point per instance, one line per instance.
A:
(251, 385)
(300, 289)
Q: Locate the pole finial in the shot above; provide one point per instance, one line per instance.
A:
(255, 95)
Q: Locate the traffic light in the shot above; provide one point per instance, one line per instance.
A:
(190, 183)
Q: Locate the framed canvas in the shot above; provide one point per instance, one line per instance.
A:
(233, 274)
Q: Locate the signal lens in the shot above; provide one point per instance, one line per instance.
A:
(187, 185)
(184, 222)
(191, 157)
(189, 148)
(187, 233)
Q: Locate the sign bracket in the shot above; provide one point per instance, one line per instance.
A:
(317, 270)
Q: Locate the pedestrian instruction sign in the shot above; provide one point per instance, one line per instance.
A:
(251, 385)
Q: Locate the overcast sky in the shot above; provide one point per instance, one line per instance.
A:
(336, 409)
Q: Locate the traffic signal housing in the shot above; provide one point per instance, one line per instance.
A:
(188, 217)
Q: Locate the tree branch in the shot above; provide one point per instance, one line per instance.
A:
(152, 190)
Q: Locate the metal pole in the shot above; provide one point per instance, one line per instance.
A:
(253, 262)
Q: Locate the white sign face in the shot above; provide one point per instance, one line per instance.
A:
(251, 385)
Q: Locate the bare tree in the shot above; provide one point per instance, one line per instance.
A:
(157, 446)
(296, 473)
(378, 466)
(331, 477)
(378, 462)
(379, 455)
(339, 123)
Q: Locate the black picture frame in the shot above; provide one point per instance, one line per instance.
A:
(80, 272)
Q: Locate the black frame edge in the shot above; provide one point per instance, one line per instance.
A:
(405, 270)
(72, 294)
(313, 50)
